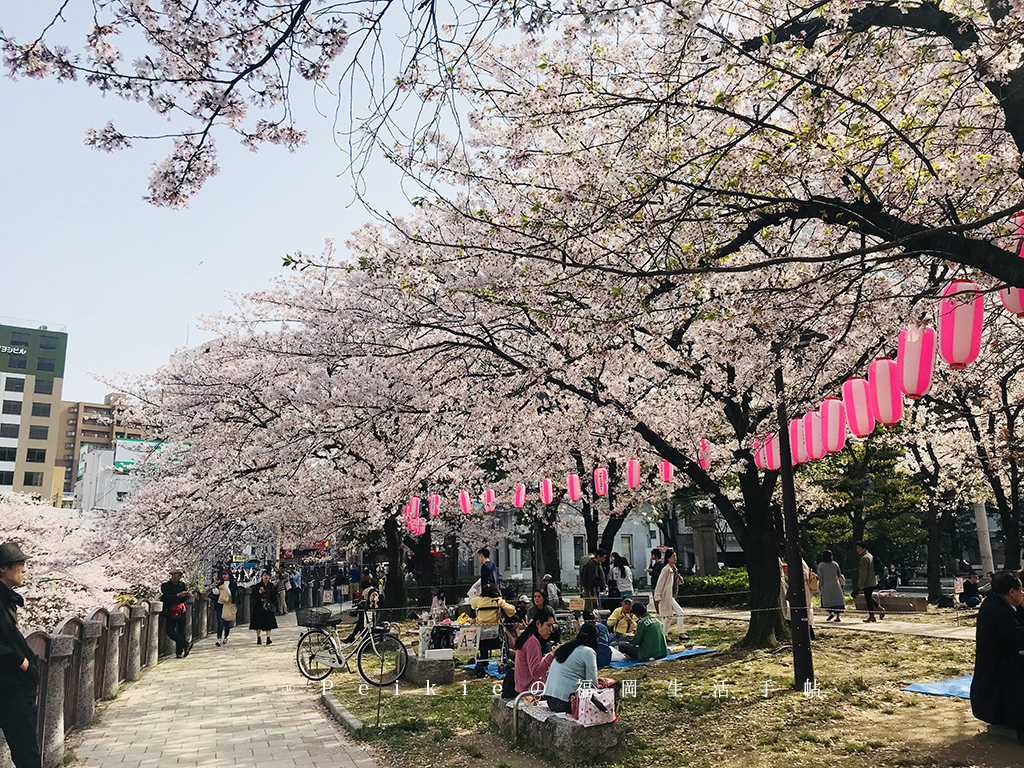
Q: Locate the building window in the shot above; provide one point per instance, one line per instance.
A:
(18, 362)
(8, 430)
(12, 407)
(38, 433)
(8, 454)
(579, 548)
(33, 479)
(47, 364)
(36, 456)
(6, 478)
(44, 387)
(15, 385)
(41, 409)
(122, 495)
(49, 342)
(19, 339)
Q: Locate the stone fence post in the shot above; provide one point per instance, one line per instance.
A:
(136, 616)
(307, 595)
(190, 609)
(156, 608)
(61, 648)
(115, 626)
(204, 616)
(91, 631)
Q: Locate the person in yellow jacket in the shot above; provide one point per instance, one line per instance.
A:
(489, 604)
(622, 622)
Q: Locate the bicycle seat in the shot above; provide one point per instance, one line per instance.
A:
(335, 621)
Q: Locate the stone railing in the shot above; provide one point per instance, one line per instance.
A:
(88, 659)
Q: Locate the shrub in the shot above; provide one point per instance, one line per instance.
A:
(730, 587)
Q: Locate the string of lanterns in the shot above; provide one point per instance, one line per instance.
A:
(864, 403)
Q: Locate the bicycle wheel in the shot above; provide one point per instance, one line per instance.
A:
(315, 654)
(381, 659)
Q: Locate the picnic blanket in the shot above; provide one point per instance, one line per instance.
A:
(492, 669)
(960, 688)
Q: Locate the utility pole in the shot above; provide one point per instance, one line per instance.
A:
(803, 663)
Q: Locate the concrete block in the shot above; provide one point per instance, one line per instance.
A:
(419, 671)
(555, 732)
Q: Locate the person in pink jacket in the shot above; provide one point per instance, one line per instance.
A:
(533, 657)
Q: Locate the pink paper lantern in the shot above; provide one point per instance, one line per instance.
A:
(758, 453)
(858, 407)
(1013, 300)
(960, 317)
(519, 497)
(435, 505)
(798, 442)
(414, 506)
(547, 491)
(704, 458)
(465, 502)
(915, 361)
(772, 451)
(572, 484)
(489, 503)
(633, 473)
(406, 515)
(601, 481)
(884, 394)
(815, 446)
(666, 471)
(833, 425)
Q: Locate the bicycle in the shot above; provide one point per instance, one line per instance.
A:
(381, 657)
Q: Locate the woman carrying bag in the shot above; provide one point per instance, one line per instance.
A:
(665, 604)
(264, 606)
(225, 597)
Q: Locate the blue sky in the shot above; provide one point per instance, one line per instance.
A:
(80, 248)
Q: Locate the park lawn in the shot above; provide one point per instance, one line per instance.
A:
(860, 717)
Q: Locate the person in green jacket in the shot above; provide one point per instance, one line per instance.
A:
(866, 581)
(649, 640)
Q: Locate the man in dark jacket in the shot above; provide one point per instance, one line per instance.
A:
(488, 570)
(173, 594)
(998, 667)
(19, 670)
(592, 580)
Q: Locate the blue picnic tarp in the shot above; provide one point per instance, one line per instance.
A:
(960, 688)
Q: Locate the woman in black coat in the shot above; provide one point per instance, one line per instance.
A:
(998, 667)
(264, 606)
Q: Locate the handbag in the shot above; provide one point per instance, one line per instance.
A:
(268, 607)
(594, 707)
(812, 581)
(176, 611)
(842, 580)
(229, 612)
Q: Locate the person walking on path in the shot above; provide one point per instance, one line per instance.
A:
(295, 591)
(831, 582)
(488, 570)
(592, 581)
(19, 668)
(264, 605)
(282, 584)
(665, 604)
(867, 581)
(654, 569)
(998, 669)
(173, 595)
(554, 594)
(810, 584)
(225, 597)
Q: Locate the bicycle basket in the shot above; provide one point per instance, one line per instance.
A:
(313, 617)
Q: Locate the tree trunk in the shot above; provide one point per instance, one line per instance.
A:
(394, 581)
(760, 544)
(450, 560)
(935, 525)
(545, 550)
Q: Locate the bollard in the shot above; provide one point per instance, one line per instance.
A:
(61, 648)
(134, 665)
(91, 631)
(115, 626)
(204, 620)
(156, 608)
(307, 595)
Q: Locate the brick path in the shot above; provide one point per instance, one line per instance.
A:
(221, 707)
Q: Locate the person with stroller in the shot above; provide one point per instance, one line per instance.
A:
(489, 607)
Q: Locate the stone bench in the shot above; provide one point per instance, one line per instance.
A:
(894, 603)
(555, 732)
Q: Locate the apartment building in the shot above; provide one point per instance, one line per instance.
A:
(31, 378)
(88, 426)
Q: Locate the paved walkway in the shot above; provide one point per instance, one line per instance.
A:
(241, 704)
(855, 624)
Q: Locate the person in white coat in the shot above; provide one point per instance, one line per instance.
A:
(665, 604)
(808, 592)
